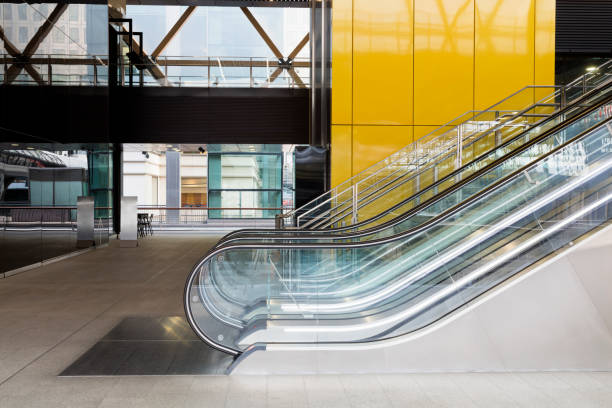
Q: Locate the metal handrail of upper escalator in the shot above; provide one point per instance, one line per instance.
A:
(580, 82)
(354, 202)
(312, 234)
(450, 190)
(344, 245)
(451, 211)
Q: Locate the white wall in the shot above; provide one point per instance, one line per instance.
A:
(139, 175)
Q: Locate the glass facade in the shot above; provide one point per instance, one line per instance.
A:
(80, 31)
(39, 188)
(245, 181)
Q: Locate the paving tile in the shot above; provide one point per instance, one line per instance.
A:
(54, 314)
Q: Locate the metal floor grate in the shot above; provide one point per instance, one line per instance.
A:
(150, 346)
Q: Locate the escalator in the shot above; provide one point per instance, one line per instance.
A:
(410, 188)
(406, 214)
(501, 216)
(368, 194)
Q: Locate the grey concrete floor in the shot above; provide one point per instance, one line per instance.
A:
(51, 315)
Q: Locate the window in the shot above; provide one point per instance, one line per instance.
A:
(41, 12)
(58, 35)
(8, 11)
(74, 34)
(23, 34)
(23, 13)
(247, 184)
(74, 12)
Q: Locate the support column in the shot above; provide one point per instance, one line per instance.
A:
(173, 185)
(117, 165)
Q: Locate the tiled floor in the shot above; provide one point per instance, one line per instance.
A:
(52, 315)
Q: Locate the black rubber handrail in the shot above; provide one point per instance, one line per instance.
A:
(270, 234)
(400, 218)
(439, 218)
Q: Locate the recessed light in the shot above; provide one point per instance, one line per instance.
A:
(591, 69)
(30, 148)
(14, 144)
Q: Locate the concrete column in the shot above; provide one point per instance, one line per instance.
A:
(173, 185)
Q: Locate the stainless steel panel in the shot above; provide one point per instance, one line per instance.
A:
(173, 185)
(129, 221)
(85, 221)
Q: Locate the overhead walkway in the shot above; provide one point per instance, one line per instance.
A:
(520, 203)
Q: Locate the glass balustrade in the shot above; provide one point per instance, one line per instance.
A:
(366, 291)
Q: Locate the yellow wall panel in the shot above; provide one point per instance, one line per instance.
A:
(443, 60)
(424, 62)
(382, 62)
(341, 153)
(342, 68)
(420, 131)
(544, 45)
(504, 49)
(371, 144)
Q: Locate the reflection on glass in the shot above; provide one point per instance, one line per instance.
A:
(245, 185)
(39, 187)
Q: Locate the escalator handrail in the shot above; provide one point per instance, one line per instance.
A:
(563, 89)
(440, 217)
(271, 235)
(331, 235)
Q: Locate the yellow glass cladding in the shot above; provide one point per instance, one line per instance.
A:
(382, 60)
(504, 49)
(443, 60)
(372, 143)
(342, 47)
(401, 68)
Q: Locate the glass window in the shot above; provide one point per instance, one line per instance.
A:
(74, 34)
(23, 13)
(58, 35)
(23, 34)
(74, 12)
(8, 11)
(245, 185)
(43, 11)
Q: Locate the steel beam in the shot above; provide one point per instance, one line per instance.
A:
(299, 47)
(9, 46)
(262, 33)
(175, 29)
(153, 68)
(161, 62)
(44, 30)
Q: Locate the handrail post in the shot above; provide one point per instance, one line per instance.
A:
(209, 72)
(95, 72)
(354, 221)
(49, 70)
(584, 84)
(459, 144)
(563, 97)
(278, 221)
(251, 72)
(498, 139)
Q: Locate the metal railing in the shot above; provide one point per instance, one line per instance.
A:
(513, 111)
(60, 216)
(207, 72)
(169, 216)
